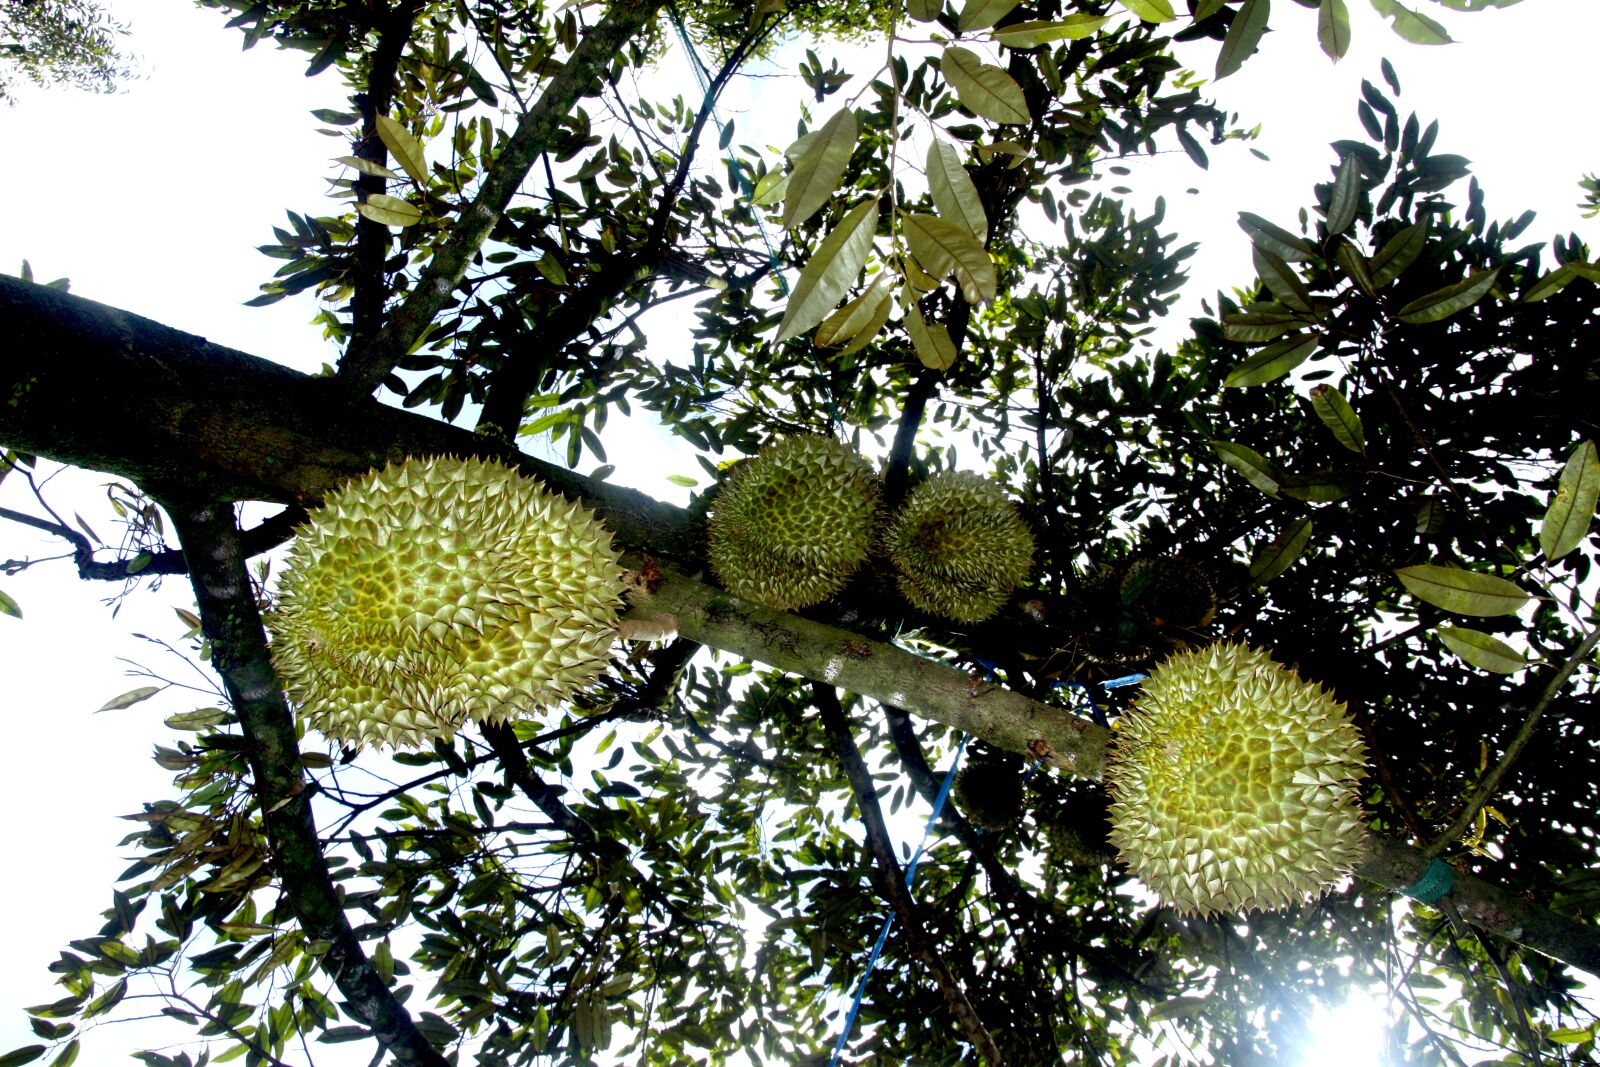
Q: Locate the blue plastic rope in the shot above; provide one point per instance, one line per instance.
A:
(888, 916)
(1435, 882)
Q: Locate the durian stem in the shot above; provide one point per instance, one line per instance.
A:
(211, 545)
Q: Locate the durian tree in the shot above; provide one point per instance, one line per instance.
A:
(1364, 473)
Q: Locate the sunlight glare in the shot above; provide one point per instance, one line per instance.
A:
(1350, 1035)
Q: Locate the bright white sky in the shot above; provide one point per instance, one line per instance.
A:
(153, 201)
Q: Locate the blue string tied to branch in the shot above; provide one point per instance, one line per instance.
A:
(1435, 882)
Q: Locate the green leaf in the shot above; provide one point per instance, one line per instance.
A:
(1257, 327)
(1333, 28)
(549, 266)
(924, 10)
(1461, 591)
(1355, 264)
(389, 210)
(405, 149)
(9, 606)
(1551, 284)
(1339, 417)
(26, 1054)
(1398, 253)
(1346, 196)
(859, 314)
(932, 343)
(831, 271)
(944, 248)
(1249, 23)
(367, 166)
(1411, 25)
(953, 192)
(1566, 523)
(336, 118)
(1281, 279)
(1036, 32)
(1151, 10)
(1179, 1007)
(199, 719)
(1272, 362)
(1280, 242)
(984, 88)
(1250, 463)
(1482, 650)
(770, 189)
(107, 1000)
(1278, 554)
(981, 14)
(130, 698)
(819, 166)
(683, 480)
(1192, 149)
(1442, 303)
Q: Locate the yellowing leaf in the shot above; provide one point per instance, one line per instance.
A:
(952, 190)
(819, 166)
(389, 210)
(932, 343)
(407, 151)
(1339, 417)
(1277, 555)
(981, 14)
(131, 697)
(1250, 463)
(1482, 650)
(367, 166)
(984, 88)
(1442, 303)
(1461, 591)
(831, 271)
(1273, 362)
(865, 335)
(1034, 33)
(1151, 10)
(854, 317)
(1249, 23)
(943, 248)
(1566, 523)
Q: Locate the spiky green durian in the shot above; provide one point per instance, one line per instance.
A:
(440, 591)
(1168, 591)
(960, 546)
(792, 524)
(989, 792)
(1233, 784)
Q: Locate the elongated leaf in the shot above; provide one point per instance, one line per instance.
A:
(1333, 28)
(854, 317)
(367, 166)
(19, 1056)
(1566, 523)
(1398, 253)
(1192, 149)
(389, 210)
(1346, 196)
(1250, 463)
(984, 88)
(770, 189)
(1249, 23)
(1355, 264)
(831, 271)
(1272, 362)
(9, 606)
(1278, 554)
(1151, 10)
(1034, 33)
(932, 343)
(953, 192)
(1461, 591)
(1442, 303)
(865, 335)
(1551, 284)
(1257, 327)
(1412, 25)
(943, 248)
(1281, 279)
(1339, 417)
(130, 698)
(819, 167)
(981, 14)
(1482, 650)
(405, 149)
(1276, 239)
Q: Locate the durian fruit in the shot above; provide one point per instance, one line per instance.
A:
(441, 591)
(989, 791)
(1168, 591)
(960, 546)
(1076, 829)
(792, 524)
(1233, 784)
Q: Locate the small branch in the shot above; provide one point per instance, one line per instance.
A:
(268, 535)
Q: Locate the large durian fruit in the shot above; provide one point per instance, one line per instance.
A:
(960, 546)
(1233, 784)
(441, 591)
(793, 523)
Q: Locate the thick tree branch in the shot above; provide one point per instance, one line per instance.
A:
(890, 878)
(366, 364)
(232, 624)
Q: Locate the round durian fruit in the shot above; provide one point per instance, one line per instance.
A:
(441, 591)
(1233, 784)
(960, 546)
(989, 792)
(1168, 591)
(793, 523)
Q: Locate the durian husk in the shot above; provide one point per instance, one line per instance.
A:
(1234, 784)
(793, 523)
(438, 592)
(990, 793)
(1168, 591)
(960, 546)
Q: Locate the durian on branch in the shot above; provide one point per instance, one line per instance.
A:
(112, 391)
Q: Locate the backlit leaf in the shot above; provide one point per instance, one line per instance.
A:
(1442, 303)
(1339, 417)
(9, 606)
(1461, 591)
(389, 210)
(819, 167)
(1346, 196)
(405, 149)
(1551, 284)
(1151, 10)
(1277, 555)
(932, 343)
(850, 320)
(1398, 253)
(953, 192)
(831, 271)
(1356, 265)
(19, 1056)
(1411, 25)
(1249, 23)
(1273, 362)
(1275, 239)
(944, 248)
(131, 697)
(1281, 279)
(367, 166)
(770, 189)
(1257, 327)
(1034, 33)
(924, 10)
(1333, 28)
(1250, 463)
(981, 14)
(1482, 650)
(984, 88)
(1566, 523)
